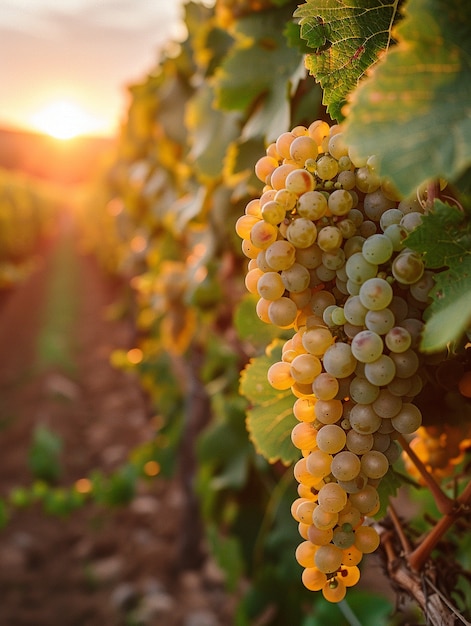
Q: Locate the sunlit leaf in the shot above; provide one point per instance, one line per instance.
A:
(270, 420)
(347, 36)
(413, 112)
(444, 237)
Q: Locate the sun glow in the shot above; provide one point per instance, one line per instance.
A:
(64, 120)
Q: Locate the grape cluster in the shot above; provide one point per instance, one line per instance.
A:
(328, 259)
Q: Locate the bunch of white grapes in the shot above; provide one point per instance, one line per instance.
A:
(326, 243)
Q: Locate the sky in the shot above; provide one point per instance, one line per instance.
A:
(74, 58)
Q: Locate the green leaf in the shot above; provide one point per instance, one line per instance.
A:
(259, 71)
(387, 488)
(270, 420)
(249, 326)
(347, 37)
(444, 237)
(413, 112)
(44, 454)
(211, 131)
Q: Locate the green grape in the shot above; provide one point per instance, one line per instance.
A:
(328, 411)
(280, 255)
(377, 249)
(332, 498)
(365, 500)
(270, 286)
(355, 312)
(367, 181)
(406, 363)
(359, 269)
(349, 576)
(321, 300)
(338, 316)
(318, 463)
(398, 339)
(367, 346)
(339, 361)
(376, 203)
(328, 558)
(279, 376)
(408, 419)
(345, 466)
(421, 289)
(304, 554)
(346, 179)
(334, 260)
(327, 167)
(313, 579)
(380, 372)
(263, 234)
(396, 233)
(304, 436)
(244, 225)
(324, 519)
(317, 340)
(303, 148)
(312, 205)
(301, 232)
(296, 278)
(334, 590)
(407, 267)
(330, 440)
(325, 386)
(299, 181)
(374, 464)
(303, 409)
(380, 322)
(337, 146)
(387, 405)
(340, 202)
(264, 167)
(329, 238)
(389, 217)
(310, 257)
(343, 538)
(280, 174)
(304, 511)
(305, 368)
(364, 420)
(319, 537)
(366, 539)
(273, 212)
(282, 312)
(359, 443)
(376, 294)
(362, 391)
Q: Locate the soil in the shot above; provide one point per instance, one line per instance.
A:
(99, 566)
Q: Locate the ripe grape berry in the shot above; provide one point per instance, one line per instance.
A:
(328, 261)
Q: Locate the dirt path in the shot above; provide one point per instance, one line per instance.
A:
(98, 567)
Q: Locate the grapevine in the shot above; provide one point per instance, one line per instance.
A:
(328, 259)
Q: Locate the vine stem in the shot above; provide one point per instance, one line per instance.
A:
(444, 504)
(419, 556)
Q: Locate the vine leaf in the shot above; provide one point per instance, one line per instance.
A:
(270, 420)
(211, 130)
(413, 111)
(258, 73)
(444, 237)
(347, 38)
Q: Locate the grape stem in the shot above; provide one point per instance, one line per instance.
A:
(444, 504)
(421, 553)
(437, 609)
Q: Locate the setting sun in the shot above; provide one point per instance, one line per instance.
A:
(64, 120)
